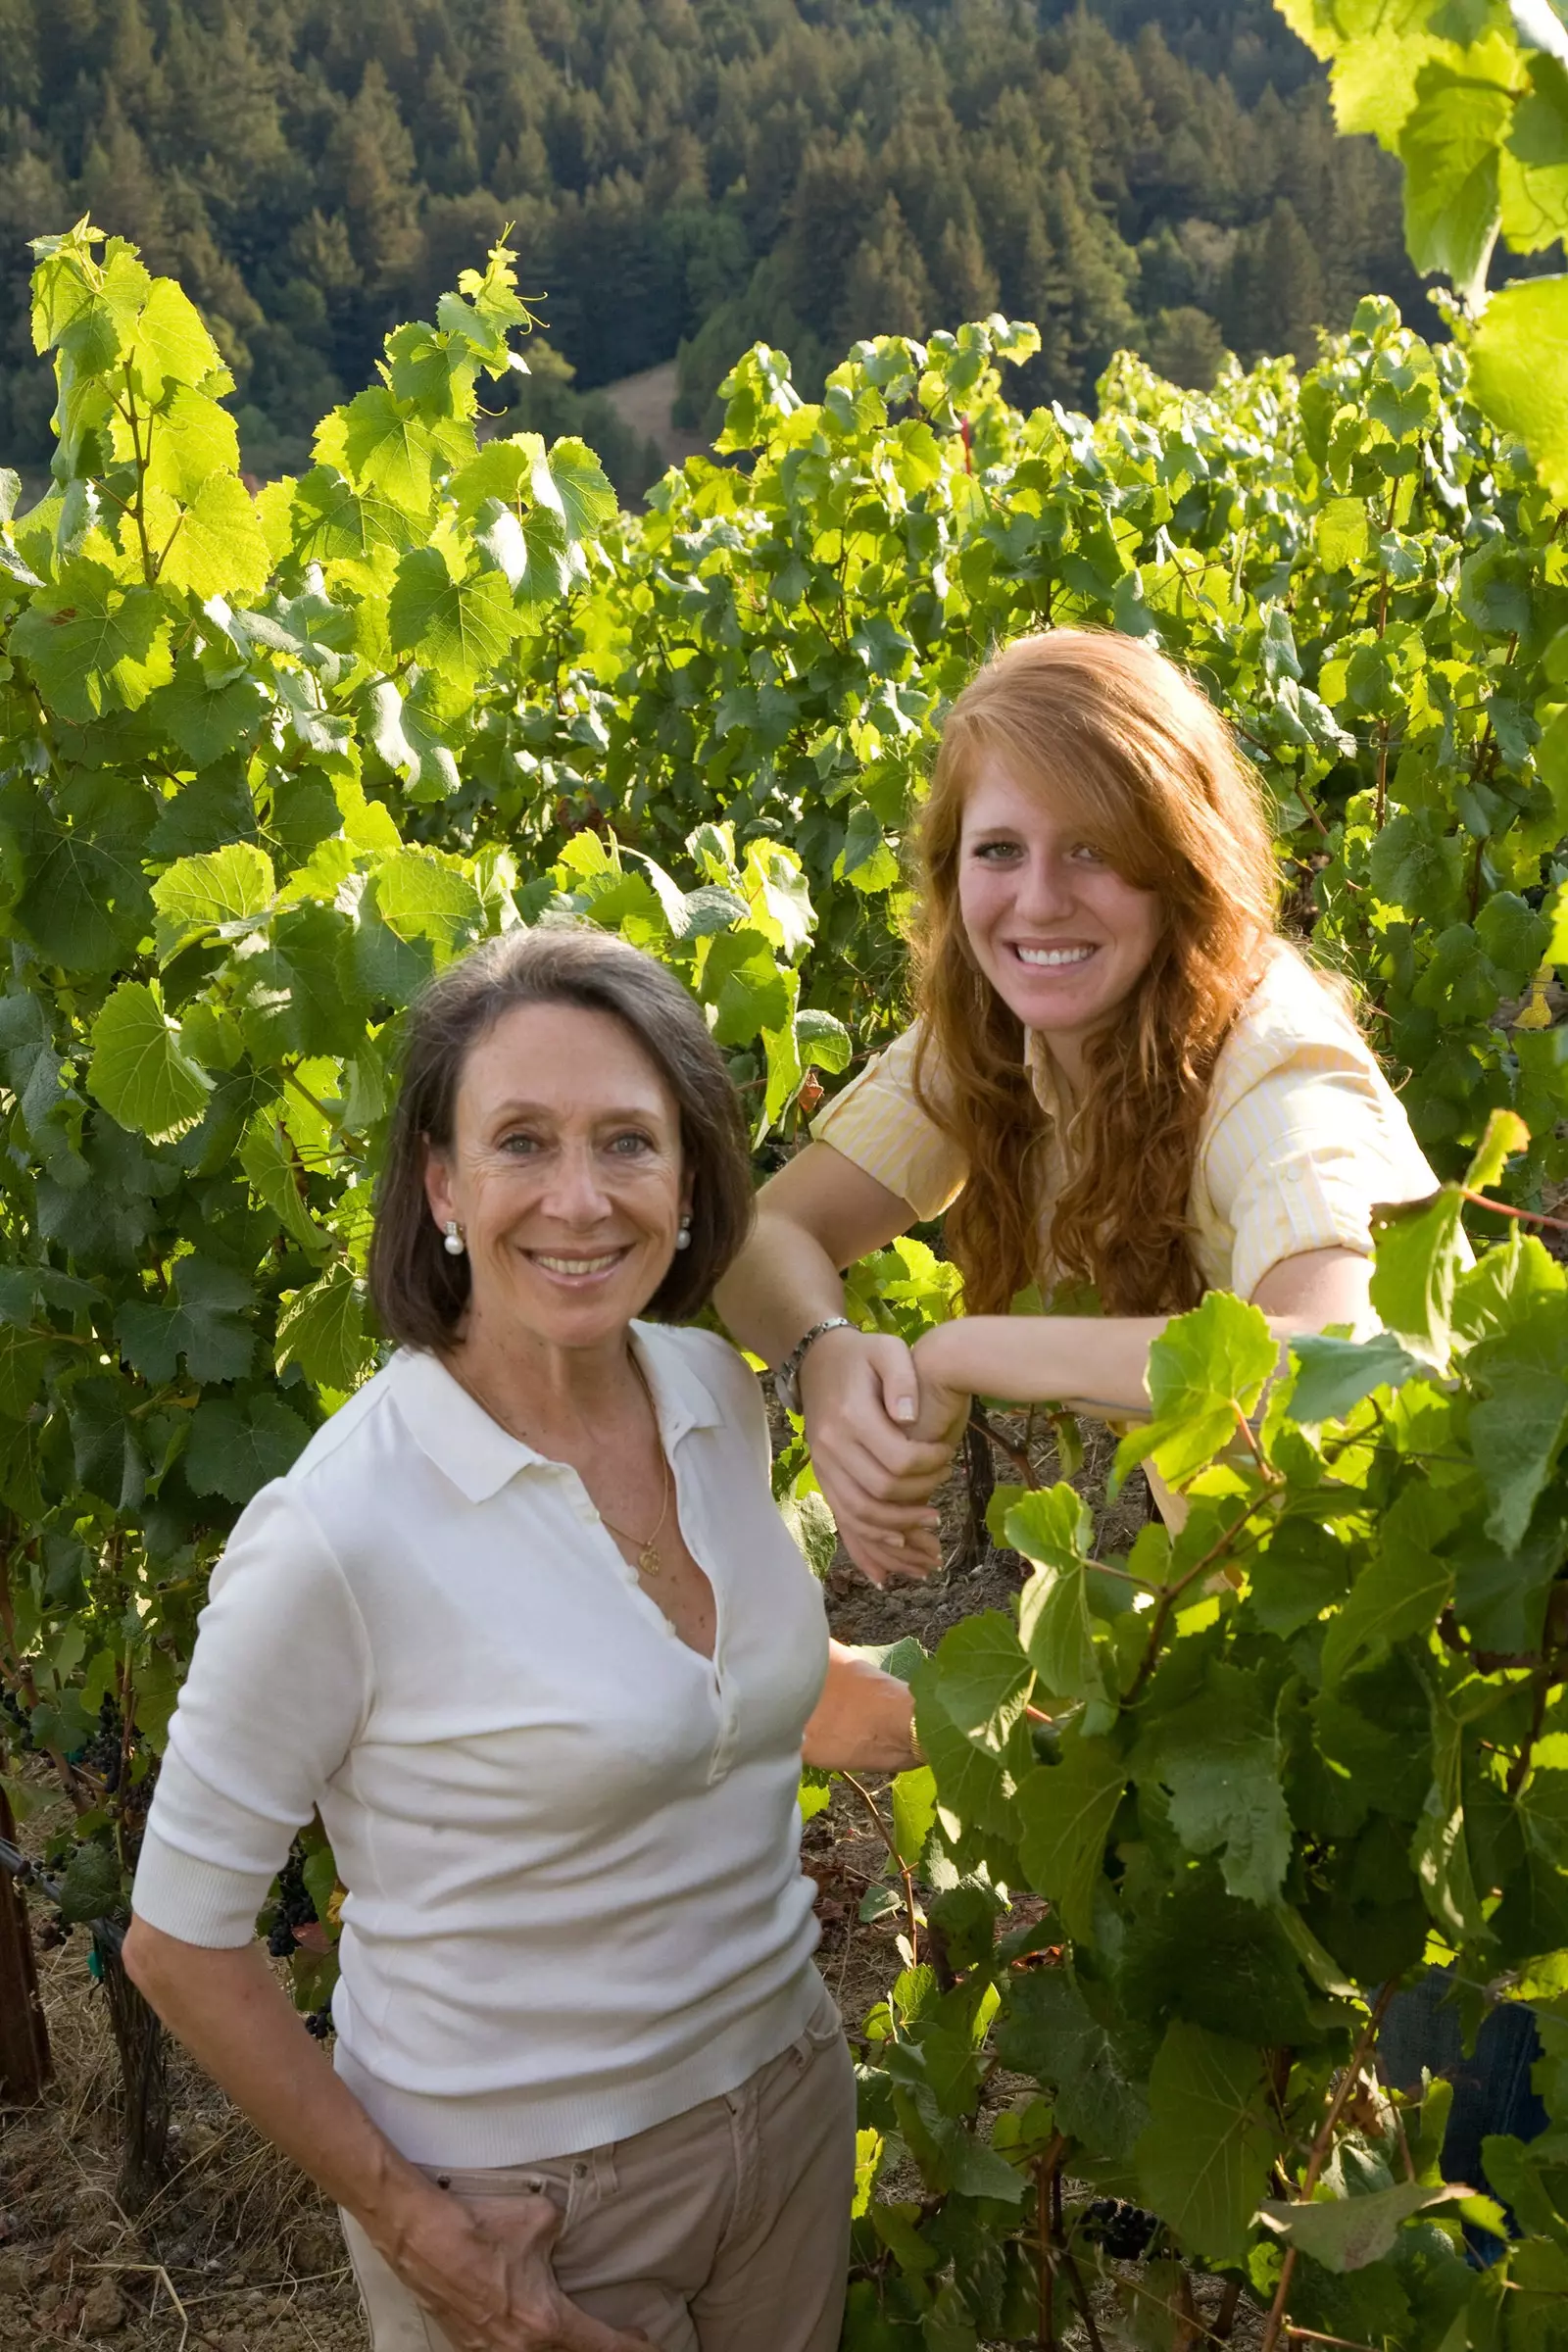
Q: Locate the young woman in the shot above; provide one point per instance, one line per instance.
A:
(524, 1623)
(1118, 1074)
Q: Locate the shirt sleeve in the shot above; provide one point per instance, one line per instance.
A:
(877, 1122)
(277, 1692)
(1299, 1162)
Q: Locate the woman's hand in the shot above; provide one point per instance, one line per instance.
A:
(485, 2277)
(863, 1413)
(864, 1721)
(946, 1399)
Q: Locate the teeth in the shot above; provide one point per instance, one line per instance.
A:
(576, 1265)
(1052, 958)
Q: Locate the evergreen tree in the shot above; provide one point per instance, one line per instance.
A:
(687, 176)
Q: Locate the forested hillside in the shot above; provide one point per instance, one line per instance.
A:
(692, 175)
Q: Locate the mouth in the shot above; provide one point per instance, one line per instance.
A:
(576, 1269)
(1054, 960)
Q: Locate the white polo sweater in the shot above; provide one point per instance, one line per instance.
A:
(571, 1845)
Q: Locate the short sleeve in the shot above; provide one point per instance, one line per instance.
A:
(1299, 1162)
(277, 1690)
(878, 1123)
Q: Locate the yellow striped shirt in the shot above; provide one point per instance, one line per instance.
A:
(1302, 1135)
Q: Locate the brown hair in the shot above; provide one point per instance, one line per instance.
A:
(420, 1291)
(1125, 744)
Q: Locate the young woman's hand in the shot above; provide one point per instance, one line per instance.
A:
(484, 2274)
(862, 1402)
(944, 1400)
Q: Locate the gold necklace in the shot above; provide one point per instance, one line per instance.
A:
(649, 1562)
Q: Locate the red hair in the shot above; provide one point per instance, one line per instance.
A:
(1124, 745)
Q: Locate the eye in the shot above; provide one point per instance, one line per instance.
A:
(996, 853)
(519, 1146)
(631, 1144)
(1085, 854)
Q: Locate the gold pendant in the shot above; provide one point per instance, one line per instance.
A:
(649, 1562)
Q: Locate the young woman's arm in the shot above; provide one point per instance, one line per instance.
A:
(1100, 1365)
(488, 2284)
(859, 1389)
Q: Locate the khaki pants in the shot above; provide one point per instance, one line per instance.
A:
(726, 2229)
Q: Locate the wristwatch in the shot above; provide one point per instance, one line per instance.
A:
(786, 1380)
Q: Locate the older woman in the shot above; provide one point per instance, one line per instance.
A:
(524, 1625)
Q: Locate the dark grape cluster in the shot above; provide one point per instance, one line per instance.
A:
(104, 1754)
(1126, 2232)
(320, 2022)
(295, 1908)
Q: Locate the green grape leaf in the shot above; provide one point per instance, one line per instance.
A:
(322, 1330)
(418, 894)
(1517, 1432)
(139, 1071)
(94, 644)
(1205, 1369)
(91, 1887)
(1402, 1590)
(1064, 1817)
(274, 1176)
(823, 1041)
(1448, 144)
(1416, 1270)
(1341, 530)
(391, 452)
(1219, 1757)
(1203, 2160)
(332, 522)
(1047, 2029)
(85, 902)
(1519, 372)
(219, 547)
(572, 483)
(238, 1445)
(1334, 1376)
(225, 891)
(203, 1325)
(1346, 2234)
(1054, 1615)
(742, 981)
(207, 721)
(459, 629)
(169, 344)
(190, 437)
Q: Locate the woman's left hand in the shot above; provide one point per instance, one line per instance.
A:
(489, 2282)
(864, 1721)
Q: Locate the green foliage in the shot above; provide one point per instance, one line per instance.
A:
(1253, 1815)
(1473, 101)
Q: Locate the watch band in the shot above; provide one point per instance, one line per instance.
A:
(786, 1380)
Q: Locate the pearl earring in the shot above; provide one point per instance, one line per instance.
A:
(683, 1239)
(454, 1244)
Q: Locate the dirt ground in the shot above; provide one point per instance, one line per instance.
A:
(238, 2251)
(644, 403)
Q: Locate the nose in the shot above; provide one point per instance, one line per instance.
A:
(1046, 888)
(577, 1194)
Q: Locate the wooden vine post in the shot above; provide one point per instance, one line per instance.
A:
(23, 2035)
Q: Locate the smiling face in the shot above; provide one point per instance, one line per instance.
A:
(565, 1173)
(1061, 937)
